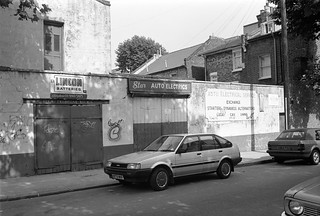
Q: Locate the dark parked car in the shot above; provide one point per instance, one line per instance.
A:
(175, 155)
(303, 199)
(303, 143)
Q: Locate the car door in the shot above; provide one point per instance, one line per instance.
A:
(211, 152)
(188, 158)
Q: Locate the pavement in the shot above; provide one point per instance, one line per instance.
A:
(57, 183)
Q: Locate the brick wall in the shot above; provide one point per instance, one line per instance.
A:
(222, 64)
(267, 44)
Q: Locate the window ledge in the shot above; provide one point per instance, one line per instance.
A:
(237, 70)
(264, 78)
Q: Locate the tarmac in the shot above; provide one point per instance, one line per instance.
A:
(57, 183)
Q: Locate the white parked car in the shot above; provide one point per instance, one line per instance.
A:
(303, 199)
(175, 155)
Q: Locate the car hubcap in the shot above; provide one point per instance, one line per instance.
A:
(316, 157)
(162, 179)
(225, 169)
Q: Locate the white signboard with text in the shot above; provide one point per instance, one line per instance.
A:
(228, 105)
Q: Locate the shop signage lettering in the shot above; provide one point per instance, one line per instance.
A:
(227, 105)
(68, 86)
(157, 86)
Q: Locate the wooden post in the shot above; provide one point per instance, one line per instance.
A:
(284, 39)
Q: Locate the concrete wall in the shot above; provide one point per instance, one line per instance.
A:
(253, 116)
(18, 89)
(86, 39)
(129, 123)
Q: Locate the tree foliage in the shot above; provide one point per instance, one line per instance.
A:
(27, 9)
(133, 52)
(303, 17)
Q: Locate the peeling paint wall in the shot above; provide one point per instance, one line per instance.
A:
(86, 37)
(16, 115)
(266, 104)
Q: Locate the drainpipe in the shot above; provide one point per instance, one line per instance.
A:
(275, 58)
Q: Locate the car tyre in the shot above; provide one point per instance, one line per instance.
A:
(124, 182)
(314, 157)
(224, 170)
(159, 179)
(279, 160)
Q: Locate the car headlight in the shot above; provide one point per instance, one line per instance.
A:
(134, 166)
(108, 164)
(295, 207)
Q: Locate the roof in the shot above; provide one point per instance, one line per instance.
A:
(169, 61)
(226, 46)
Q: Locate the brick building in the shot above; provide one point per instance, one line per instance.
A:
(224, 62)
(181, 64)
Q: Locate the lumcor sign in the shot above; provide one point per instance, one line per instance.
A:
(147, 86)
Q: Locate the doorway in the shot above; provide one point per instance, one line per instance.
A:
(68, 137)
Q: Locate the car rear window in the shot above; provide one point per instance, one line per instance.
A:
(292, 135)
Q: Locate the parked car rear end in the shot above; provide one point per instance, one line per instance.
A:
(303, 143)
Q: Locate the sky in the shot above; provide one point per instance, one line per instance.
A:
(178, 24)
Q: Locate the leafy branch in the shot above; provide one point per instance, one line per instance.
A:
(27, 10)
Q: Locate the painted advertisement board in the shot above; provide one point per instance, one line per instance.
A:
(230, 105)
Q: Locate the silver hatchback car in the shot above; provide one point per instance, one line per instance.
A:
(175, 155)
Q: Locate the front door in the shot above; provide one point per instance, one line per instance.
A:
(190, 160)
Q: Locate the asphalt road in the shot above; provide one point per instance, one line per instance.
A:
(250, 191)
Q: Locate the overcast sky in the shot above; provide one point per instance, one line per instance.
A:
(178, 24)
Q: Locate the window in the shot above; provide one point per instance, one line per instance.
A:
(190, 144)
(264, 67)
(53, 46)
(207, 143)
(237, 60)
(223, 142)
(214, 77)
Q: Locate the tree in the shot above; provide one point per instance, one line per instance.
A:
(27, 10)
(133, 52)
(303, 19)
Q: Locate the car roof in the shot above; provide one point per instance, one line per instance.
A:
(190, 134)
(301, 129)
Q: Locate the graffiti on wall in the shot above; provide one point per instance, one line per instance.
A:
(114, 132)
(14, 128)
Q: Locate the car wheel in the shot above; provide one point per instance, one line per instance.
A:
(224, 170)
(315, 157)
(124, 182)
(279, 160)
(159, 179)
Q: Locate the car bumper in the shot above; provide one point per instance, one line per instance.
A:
(141, 175)
(236, 161)
(293, 155)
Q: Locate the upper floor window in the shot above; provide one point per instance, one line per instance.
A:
(264, 67)
(53, 32)
(213, 77)
(237, 60)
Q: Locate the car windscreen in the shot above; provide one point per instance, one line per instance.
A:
(164, 143)
(292, 135)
